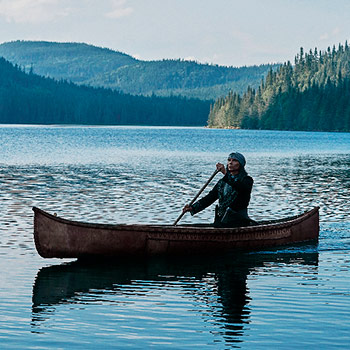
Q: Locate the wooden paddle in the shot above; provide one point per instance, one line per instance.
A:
(197, 195)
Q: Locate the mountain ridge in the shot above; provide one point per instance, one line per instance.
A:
(91, 65)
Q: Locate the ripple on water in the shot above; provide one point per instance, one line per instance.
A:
(115, 193)
(266, 299)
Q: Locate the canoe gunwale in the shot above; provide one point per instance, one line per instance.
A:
(283, 223)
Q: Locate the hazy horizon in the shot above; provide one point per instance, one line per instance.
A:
(227, 33)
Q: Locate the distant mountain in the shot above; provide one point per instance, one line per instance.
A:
(27, 98)
(101, 67)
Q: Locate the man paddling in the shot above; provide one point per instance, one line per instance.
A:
(233, 192)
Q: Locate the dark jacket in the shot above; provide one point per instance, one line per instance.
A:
(232, 192)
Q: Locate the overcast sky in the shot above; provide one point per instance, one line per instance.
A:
(224, 32)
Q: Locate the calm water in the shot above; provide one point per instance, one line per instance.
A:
(295, 297)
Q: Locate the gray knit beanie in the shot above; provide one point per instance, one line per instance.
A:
(239, 157)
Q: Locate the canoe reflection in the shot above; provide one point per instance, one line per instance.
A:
(225, 277)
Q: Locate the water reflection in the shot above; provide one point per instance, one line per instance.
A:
(215, 284)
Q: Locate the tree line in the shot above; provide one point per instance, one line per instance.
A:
(27, 98)
(313, 95)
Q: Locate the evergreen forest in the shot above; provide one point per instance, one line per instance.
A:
(27, 98)
(313, 94)
(101, 67)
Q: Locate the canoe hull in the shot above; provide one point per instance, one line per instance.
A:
(60, 238)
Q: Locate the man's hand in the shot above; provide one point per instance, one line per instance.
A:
(221, 167)
(186, 208)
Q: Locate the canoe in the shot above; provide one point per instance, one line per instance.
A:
(57, 237)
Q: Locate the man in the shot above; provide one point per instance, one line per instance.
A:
(233, 192)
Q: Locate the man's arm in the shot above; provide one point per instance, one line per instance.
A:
(204, 202)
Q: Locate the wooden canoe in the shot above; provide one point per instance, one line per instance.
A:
(56, 237)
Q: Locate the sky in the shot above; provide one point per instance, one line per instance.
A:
(223, 32)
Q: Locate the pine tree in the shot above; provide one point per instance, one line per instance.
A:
(303, 97)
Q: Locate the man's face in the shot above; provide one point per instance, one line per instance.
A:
(233, 165)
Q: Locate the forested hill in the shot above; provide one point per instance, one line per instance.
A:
(27, 98)
(312, 94)
(100, 67)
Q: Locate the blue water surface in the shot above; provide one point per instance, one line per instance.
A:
(285, 298)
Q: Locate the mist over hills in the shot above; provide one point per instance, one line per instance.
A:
(76, 83)
(101, 67)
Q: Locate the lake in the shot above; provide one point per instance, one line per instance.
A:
(289, 297)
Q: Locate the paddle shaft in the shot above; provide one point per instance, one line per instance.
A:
(197, 195)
